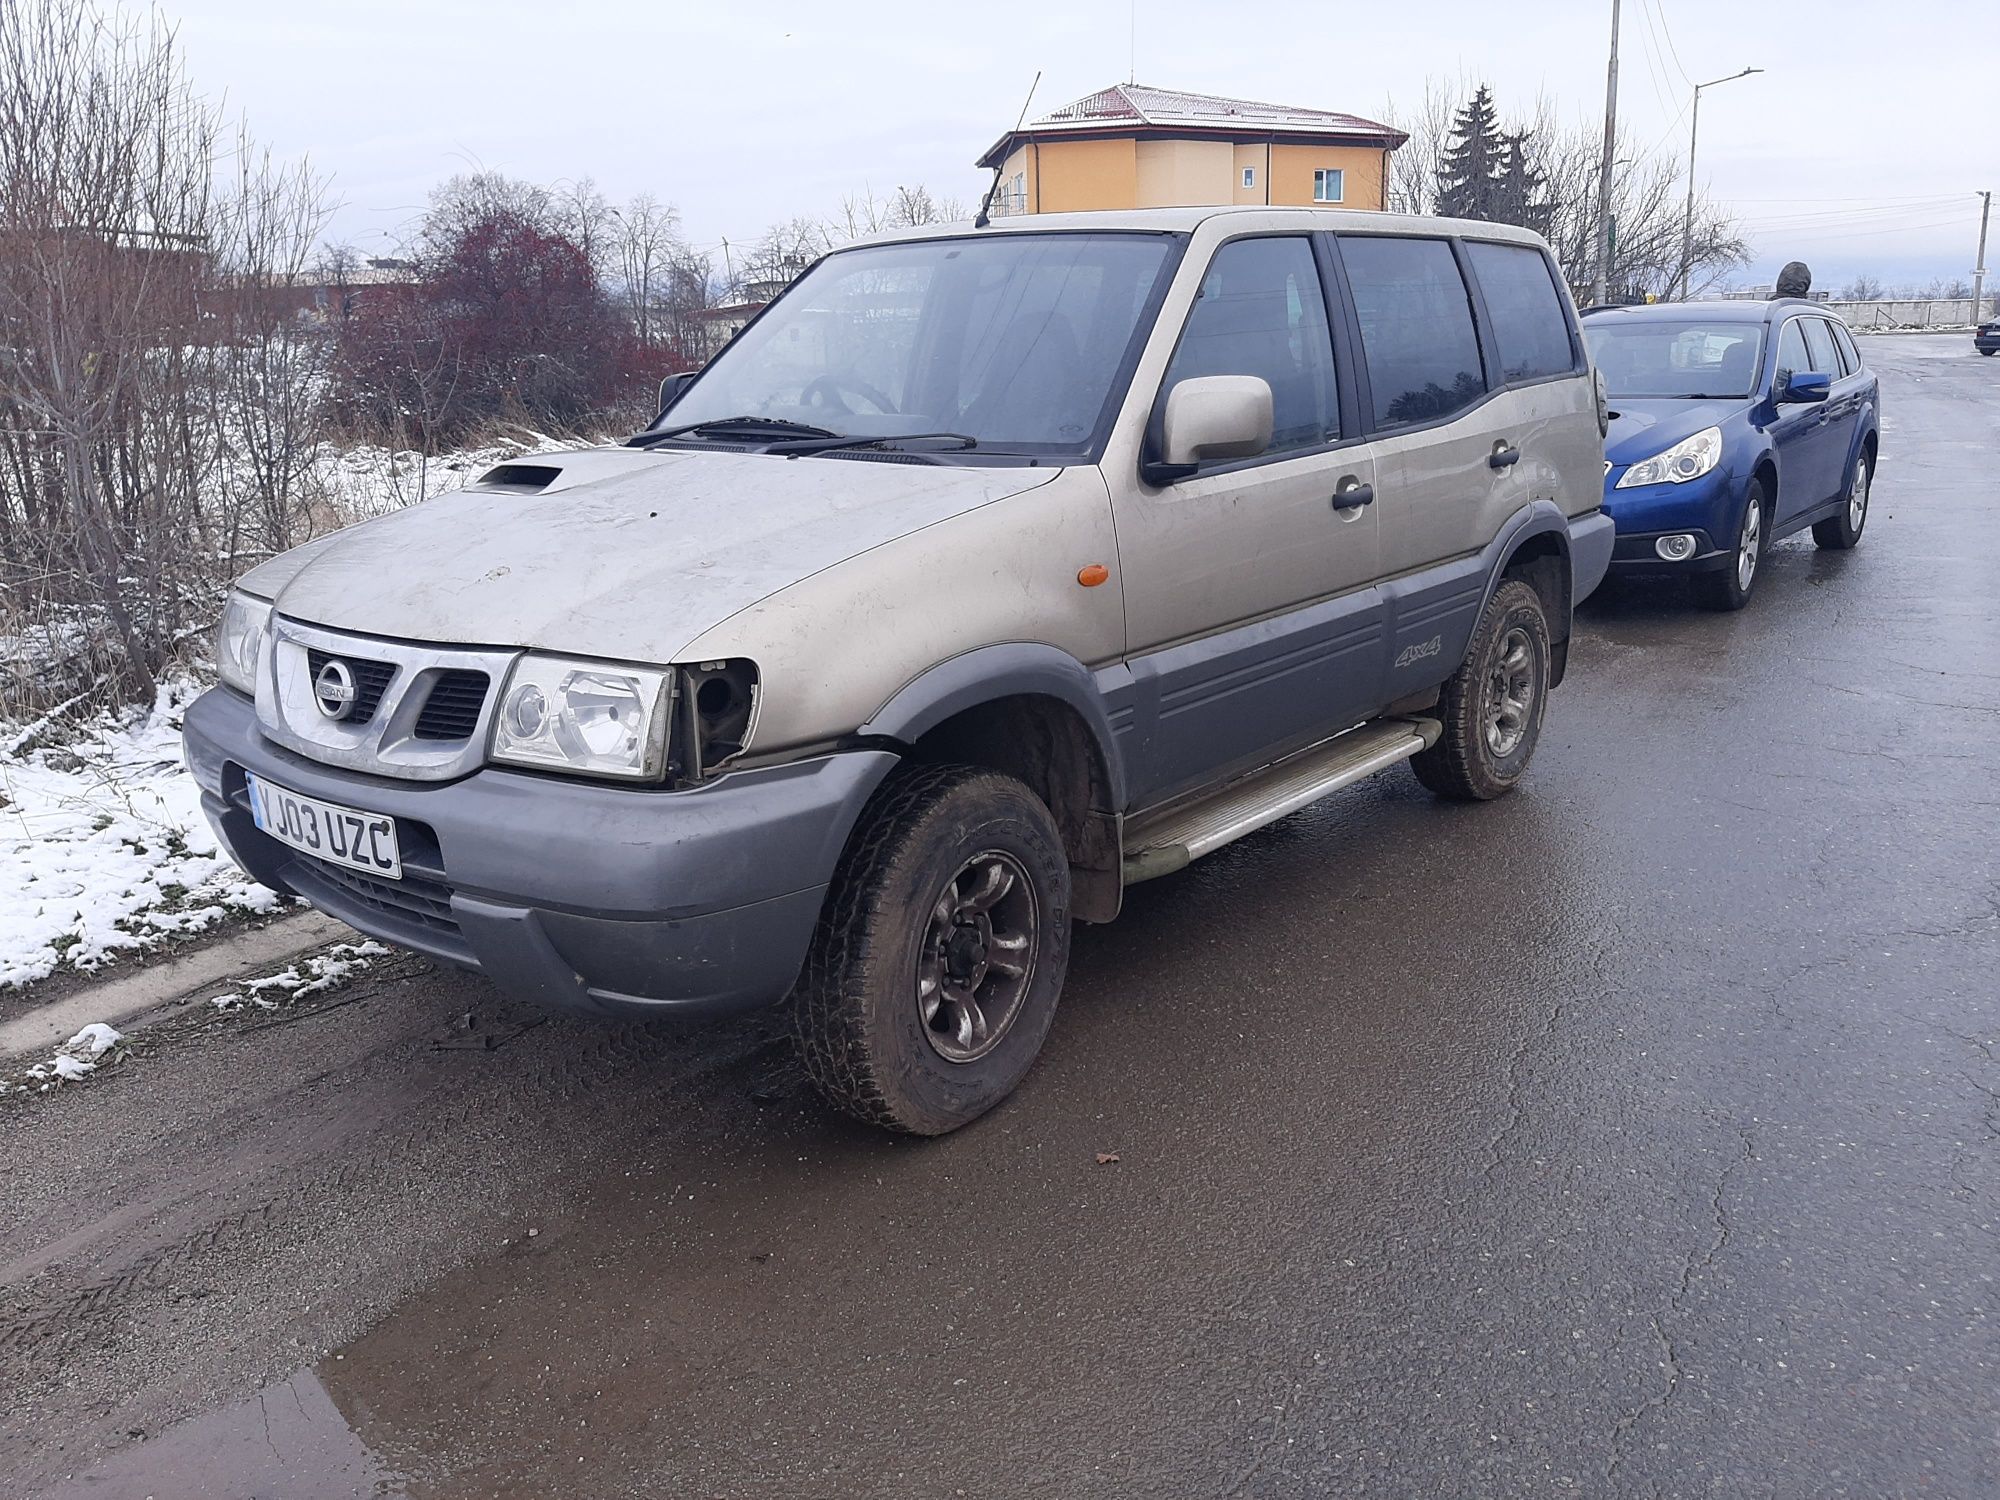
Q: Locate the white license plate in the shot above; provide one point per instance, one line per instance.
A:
(342, 835)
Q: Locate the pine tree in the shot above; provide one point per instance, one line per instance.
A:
(1469, 181)
(1521, 198)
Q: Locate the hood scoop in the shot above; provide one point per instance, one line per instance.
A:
(518, 479)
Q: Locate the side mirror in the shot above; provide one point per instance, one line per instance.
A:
(1213, 416)
(672, 386)
(1806, 386)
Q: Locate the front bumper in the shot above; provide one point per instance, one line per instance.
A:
(1704, 508)
(569, 893)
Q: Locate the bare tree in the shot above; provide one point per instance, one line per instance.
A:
(143, 310)
(1865, 287)
(648, 244)
(582, 215)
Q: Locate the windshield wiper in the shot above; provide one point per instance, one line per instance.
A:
(887, 440)
(775, 426)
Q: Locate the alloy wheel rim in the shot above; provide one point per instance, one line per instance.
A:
(1857, 497)
(1746, 549)
(977, 957)
(1510, 693)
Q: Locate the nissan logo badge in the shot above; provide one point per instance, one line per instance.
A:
(333, 690)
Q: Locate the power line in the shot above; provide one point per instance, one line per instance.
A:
(1660, 8)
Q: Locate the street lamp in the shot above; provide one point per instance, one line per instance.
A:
(1694, 130)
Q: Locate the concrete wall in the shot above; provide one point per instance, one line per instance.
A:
(1948, 312)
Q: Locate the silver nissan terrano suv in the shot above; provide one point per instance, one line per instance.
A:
(987, 572)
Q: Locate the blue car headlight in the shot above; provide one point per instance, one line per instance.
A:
(1688, 459)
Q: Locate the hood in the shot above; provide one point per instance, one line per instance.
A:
(1642, 428)
(618, 552)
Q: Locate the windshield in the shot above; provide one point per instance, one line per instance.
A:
(1657, 358)
(1013, 340)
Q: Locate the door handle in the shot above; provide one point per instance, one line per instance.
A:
(1503, 454)
(1352, 495)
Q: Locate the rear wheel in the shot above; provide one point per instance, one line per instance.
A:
(1492, 705)
(1840, 532)
(940, 952)
(1729, 587)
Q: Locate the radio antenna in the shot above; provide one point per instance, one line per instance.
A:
(985, 215)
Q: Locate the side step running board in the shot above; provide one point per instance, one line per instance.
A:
(1162, 842)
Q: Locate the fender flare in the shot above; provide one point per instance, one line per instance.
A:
(1536, 518)
(988, 673)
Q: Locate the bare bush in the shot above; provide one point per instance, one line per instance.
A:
(155, 393)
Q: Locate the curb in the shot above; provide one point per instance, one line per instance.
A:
(127, 995)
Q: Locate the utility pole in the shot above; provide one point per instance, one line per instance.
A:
(1601, 285)
(1694, 130)
(1979, 266)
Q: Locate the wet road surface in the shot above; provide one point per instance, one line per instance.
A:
(1636, 1136)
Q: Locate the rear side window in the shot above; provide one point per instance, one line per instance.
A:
(1819, 346)
(1416, 328)
(1261, 312)
(1528, 321)
(1848, 351)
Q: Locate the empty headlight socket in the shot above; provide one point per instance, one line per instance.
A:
(715, 702)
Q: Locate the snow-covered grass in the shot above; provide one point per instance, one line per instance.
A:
(103, 846)
(307, 976)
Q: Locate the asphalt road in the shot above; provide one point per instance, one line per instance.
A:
(1636, 1136)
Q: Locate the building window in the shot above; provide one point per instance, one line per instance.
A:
(1327, 186)
(1249, 176)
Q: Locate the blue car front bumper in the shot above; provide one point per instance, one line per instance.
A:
(1708, 509)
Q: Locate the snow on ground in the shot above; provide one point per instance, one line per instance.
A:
(308, 976)
(103, 846)
(76, 1059)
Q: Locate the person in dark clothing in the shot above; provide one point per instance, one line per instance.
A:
(1795, 280)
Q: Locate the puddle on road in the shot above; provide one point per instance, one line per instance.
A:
(288, 1439)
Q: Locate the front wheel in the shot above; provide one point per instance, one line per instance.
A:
(1840, 532)
(1492, 706)
(940, 952)
(1730, 586)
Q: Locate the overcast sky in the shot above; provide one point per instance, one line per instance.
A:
(1861, 147)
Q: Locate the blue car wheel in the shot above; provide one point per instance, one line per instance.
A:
(1730, 586)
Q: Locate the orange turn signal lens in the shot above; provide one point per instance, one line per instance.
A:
(1090, 575)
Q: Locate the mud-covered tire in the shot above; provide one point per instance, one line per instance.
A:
(1841, 531)
(1730, 586)
(1471, 762)
(858, 1013)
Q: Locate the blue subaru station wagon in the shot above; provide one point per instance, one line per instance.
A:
(1732, 424)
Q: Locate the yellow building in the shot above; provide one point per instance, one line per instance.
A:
(1130, 146)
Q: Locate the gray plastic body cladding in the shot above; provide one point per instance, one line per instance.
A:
(1017, 668)
(570, 892)
(1591, 539)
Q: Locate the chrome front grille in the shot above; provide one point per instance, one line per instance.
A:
(418, 712)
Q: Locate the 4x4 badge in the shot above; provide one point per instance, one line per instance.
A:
(333, 690)
(1411, 654)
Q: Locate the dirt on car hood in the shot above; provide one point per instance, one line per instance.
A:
(625, 554)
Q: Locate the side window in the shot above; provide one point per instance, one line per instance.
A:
(1819, 347)
(1848, 351)
(1528, 321)
(1416, 327)
(1792, 356)
(1261, 312)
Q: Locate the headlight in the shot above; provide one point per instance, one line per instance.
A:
(245, 622)
(586, 716)
(1688, 459)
